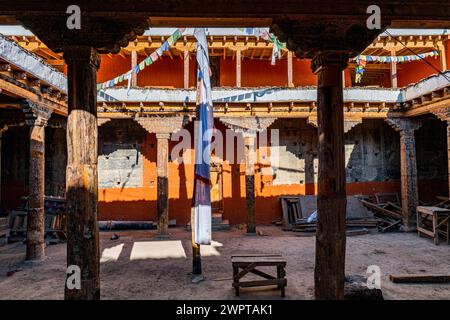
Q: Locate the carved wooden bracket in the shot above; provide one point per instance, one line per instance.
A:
(442, 113)
(36, 114)
(102, 121)
(107, 35)
(405, 126)
(349, 125)
(308, 37)
(162, 124)
(312, 121)
(247, 124)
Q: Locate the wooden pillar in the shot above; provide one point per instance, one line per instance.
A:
(1, 134)
(81, 174)
(133, 65)
(448, 157)
(162, 163)
(289, 70)
(186, 69)
(35, 217)
(238, 68)
(249, 157)
(36, 117)
(408, 169)
(394, 81)
(329, 275)
(443, 57)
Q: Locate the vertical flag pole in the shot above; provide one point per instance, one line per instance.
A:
(196, 257)
(204, 125)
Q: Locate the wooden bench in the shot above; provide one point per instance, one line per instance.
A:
(438, 217)
(249, 262)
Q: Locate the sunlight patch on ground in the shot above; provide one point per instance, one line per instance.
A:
(157, 250)
(208, 251)
(111, 254)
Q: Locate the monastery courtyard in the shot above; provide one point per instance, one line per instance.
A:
(163, 270)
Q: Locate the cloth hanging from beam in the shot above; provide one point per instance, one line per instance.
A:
(203, 135)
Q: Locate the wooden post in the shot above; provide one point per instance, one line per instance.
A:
(408, 169)
(162, 163)
(35, 216)
(36, 117)
(329, 275)
(394, 81)
(443, 58)
(133, 65)
(289, 70)
(238, 68)
(249, 156)
(81, 174)
(1, 134)
(448, 161)
(186, 69)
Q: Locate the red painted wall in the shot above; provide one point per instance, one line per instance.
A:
(412, 72)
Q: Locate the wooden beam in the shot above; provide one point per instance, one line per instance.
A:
(26, 94)
(419, 278)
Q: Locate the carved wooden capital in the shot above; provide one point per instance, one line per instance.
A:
(405, 126)
(247, 124)
(167, 125)
(336, 59)
(106, 34)
(79, 54)
(308, 37)
(36, 114)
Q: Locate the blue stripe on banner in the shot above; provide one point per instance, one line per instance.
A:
(203, 143)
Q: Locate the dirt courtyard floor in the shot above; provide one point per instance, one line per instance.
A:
(136, 266)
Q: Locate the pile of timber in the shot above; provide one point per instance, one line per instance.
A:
(386, 209)
(55, 215)
(354, 226)
(4, 230)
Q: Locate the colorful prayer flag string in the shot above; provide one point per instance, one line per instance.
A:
(144, 63)
(361, 61)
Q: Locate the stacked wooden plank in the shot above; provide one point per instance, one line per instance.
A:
(292, 211)
(54, 208)
(387, 210)
(354, 226)
(4, 230)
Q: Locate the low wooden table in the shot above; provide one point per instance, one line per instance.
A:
(248, 264)
(439, 217)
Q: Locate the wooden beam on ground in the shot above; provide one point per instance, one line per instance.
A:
(419, 278)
